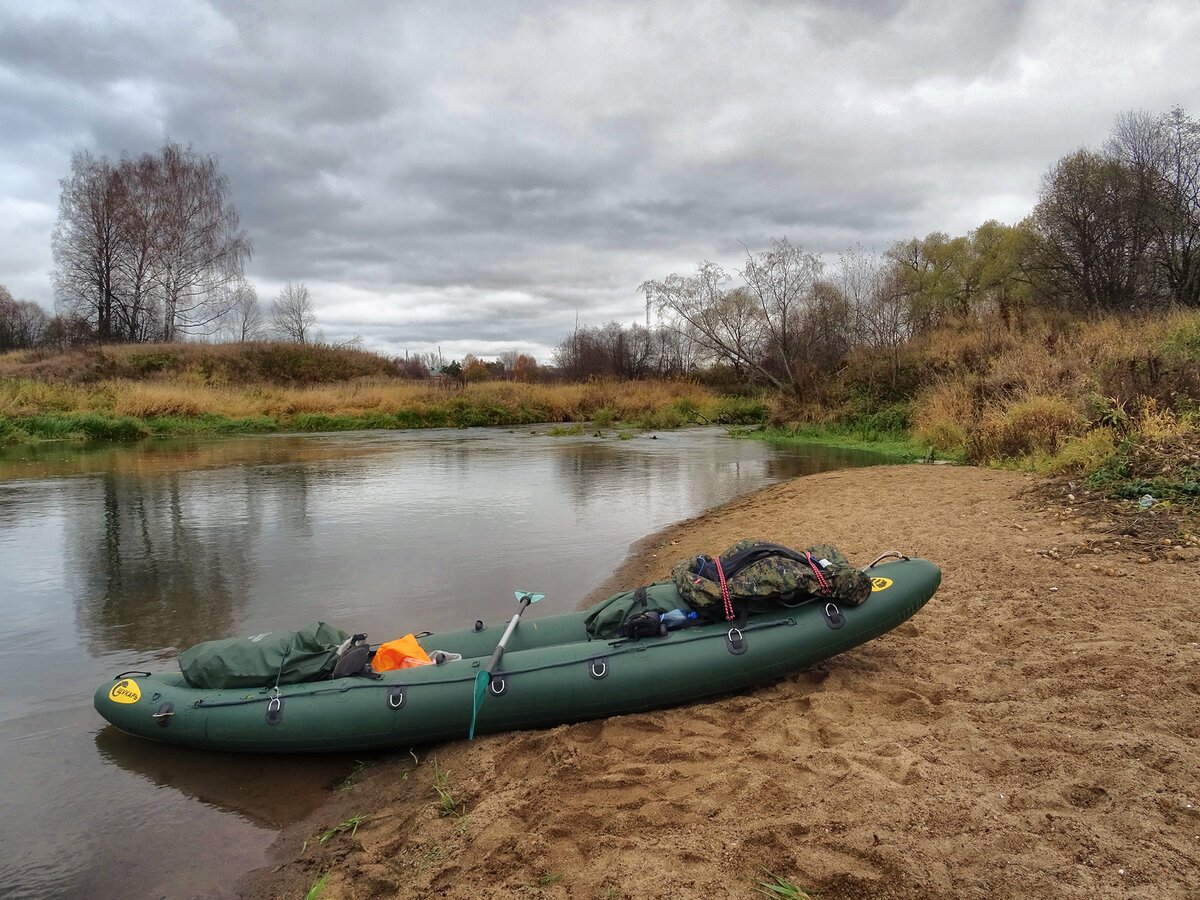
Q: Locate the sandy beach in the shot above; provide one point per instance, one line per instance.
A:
(1034, 732)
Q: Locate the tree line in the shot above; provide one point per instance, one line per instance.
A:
(150, 248)
(1114, 231)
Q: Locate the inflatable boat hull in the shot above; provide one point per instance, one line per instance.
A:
(550, 674)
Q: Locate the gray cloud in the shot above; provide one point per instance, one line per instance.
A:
(481, 176)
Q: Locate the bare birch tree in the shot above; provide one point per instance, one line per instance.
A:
(1164, 151)
(201, 249)
(150, 248)
(88, 243)
(292, 315)
(245, 321)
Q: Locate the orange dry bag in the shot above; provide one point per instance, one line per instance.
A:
(402, 653)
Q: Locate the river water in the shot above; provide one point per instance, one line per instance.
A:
(116, 558)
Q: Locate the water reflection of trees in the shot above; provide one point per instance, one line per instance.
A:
(709, 473)
(800, 460)
(162, 563)
(586, 470)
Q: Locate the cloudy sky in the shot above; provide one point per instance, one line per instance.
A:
(480, 176)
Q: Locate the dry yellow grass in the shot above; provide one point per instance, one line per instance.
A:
(150, 399)
(185, 396)
(26, 397)
(943, 414)
(1024, 427)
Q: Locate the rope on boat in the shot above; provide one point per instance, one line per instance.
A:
(618, 648)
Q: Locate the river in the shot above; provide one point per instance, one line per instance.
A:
(117, 557)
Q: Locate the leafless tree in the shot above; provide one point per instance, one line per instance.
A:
(8, 319)
(699, 306)
(88, 243)
(32, 323)
(292, 315)
(759, 325)
(676, 352)
(140, 215)
(201, 250)
(1163, 152)
(884, 317)
(150, 248)
(1095, 235)
(245, 321)
(23, 323)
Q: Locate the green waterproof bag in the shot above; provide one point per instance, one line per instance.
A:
(264, 660)
(605, 619)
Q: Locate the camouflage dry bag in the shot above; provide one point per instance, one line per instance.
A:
(761, 571)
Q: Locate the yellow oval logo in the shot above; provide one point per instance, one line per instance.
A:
(880, 584)
(125, 691)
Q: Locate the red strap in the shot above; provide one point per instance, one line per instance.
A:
(825, 589)
(724, 590)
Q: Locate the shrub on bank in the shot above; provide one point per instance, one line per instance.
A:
(1023, 428)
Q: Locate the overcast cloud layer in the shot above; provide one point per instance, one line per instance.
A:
(479, 176)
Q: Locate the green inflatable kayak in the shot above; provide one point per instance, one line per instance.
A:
(553, 670)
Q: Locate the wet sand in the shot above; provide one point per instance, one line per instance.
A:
(1034, 732)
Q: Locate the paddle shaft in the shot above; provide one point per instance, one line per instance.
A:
(512, 626)
(484, 678)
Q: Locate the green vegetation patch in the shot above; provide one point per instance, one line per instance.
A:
(11, 433)
(418, 418)
(566, 430)
(740, 411)
(150, 362)
(210, 424)
(900, 449)
(328, 422)
(93, 426)
(1183, 344)
(870, 424)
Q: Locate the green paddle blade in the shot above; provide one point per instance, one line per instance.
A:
(482, 680)
(533, 598)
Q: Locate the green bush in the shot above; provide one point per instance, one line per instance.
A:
(605, 417)
(663, 419)
(11, 433)
(740, 411)
(86, 425)
(870, 423)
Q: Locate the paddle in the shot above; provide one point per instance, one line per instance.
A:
(484, 678)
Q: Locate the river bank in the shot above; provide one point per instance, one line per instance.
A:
(124, 408)
(1032, 732)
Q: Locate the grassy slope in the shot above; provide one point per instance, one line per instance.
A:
(1111, 404)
